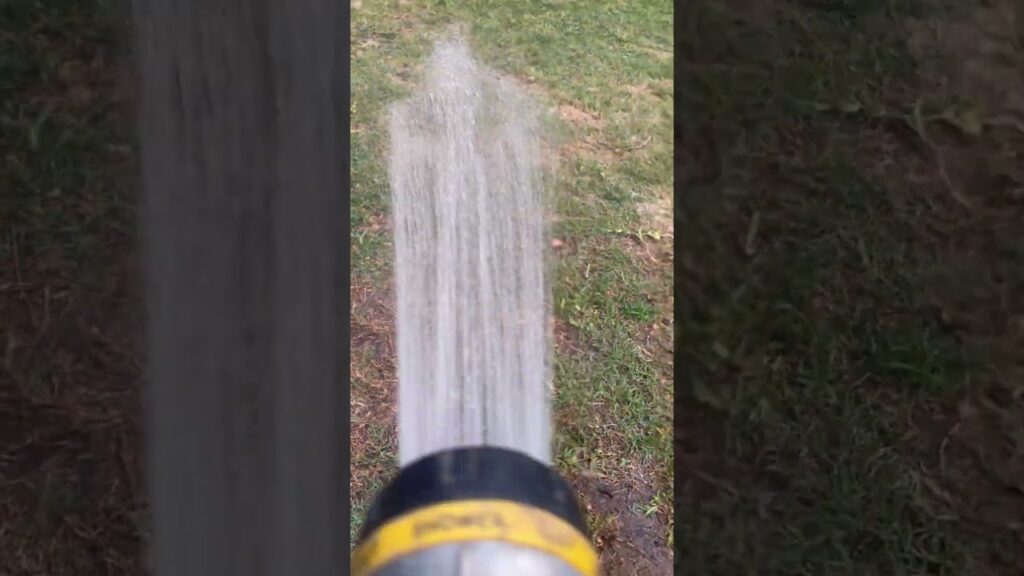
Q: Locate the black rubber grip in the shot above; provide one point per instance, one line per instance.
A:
(474, 473)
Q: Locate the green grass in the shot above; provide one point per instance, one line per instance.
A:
(810, 334)
(613, 402)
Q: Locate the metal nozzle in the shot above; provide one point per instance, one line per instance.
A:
(480, 558)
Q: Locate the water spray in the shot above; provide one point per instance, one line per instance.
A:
(476, 494)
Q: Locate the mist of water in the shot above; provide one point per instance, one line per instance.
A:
(472, 306)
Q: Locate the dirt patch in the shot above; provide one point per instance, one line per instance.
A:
(588, 127)
(591, 149)
(69, 427)
(373, 399)
(976, 53)
(577, 116)
(653, 241)
(653, 245)
(658, 212)
(977, 449)
(972, 465)
(639, 90)
(649, 90)
(977, 57)
(567, 339)
(657, 53)
(585, 144)
(631, 538)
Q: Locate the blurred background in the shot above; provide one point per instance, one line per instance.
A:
(852, 287)
(70, 474)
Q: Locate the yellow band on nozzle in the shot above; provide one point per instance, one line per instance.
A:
(474, 520)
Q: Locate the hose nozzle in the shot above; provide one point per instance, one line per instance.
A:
(477, 511)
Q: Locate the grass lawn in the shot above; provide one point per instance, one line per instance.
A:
(851, 297)
(605, 71)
